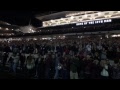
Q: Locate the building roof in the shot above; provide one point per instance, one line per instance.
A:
(54, 15)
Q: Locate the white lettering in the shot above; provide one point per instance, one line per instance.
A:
(94, 22)
(105, 21)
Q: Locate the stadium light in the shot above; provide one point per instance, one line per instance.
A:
(71, 17)
(7, 29)
(85, 15)
(99, 13)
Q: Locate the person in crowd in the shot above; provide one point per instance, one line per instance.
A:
(81, 66)
(48, 63)
(22, 61)
(53, 65)
(88, 66)
(5, 56)
(116, 71)
(30, 64)
(58, 66)
(95, 71)
(41, 68)
(105, 70)
(10, 61)
(84, 58)
(74, 62)
(103, 54)
(1, 56)
(15, 58)
(96, 56)
(65, 67)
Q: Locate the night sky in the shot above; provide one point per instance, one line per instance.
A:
(21, 18)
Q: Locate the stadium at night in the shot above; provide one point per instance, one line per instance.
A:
(62, 45)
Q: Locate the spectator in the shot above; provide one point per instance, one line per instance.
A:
(74, 62)
(15, 58)
(30, 64)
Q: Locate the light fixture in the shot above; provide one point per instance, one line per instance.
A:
(71, 17)
(85, 15)
(99, 13)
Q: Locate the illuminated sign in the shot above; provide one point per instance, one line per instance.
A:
(94, 22)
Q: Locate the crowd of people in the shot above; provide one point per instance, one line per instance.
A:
(85, 58)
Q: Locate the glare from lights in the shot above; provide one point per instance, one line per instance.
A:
(51, 20)
(110, 20)
(64, 36)
(35, 39)
(71, 17)
(116, 35)
(27, 29)
(99, 13)
(7, 29)
(107, 36)
(85, 15)
(77, 17)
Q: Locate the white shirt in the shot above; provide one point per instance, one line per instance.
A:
(15, 59)
(99, 47)
(88, 47)
(105, 72)
(30, 65)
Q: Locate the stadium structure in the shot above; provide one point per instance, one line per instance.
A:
(73, 23)
(81, 22)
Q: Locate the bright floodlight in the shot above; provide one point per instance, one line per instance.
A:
(7, 29)
(71, 17)
(27, 29)
(99, 13)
